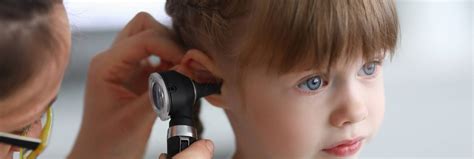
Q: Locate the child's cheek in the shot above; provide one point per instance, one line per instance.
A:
(379, 111)
(376, 106)
(287, 128)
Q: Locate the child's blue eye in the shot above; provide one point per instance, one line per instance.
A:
(368, 69)
(312, 84)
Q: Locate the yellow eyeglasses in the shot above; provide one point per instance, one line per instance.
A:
(31, 147)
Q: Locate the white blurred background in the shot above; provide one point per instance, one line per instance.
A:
(428, 83)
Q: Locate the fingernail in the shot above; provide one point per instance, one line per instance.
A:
(154, 60)
(210, 145)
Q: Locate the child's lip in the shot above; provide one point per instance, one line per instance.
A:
(345, 147)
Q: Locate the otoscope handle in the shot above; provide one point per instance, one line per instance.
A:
(180, 137)
(178, 143)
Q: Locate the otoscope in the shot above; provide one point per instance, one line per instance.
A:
(173, 96)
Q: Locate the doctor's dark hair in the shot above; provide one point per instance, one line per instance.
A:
(26, 41)
(287, 35)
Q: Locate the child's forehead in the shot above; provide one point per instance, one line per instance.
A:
(305, 36)
(347, 61)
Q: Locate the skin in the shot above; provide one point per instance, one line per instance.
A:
(28, 104)
(115, 87)
(285, 122)
(349, 106)
(118, 116)
(274, 118)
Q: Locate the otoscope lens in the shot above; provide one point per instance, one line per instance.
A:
(157, 97)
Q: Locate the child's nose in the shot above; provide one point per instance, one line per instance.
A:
(349, 110)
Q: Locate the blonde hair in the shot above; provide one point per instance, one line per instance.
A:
(284, 35)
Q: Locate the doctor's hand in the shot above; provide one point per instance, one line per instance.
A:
(201, 149)
(118, 116)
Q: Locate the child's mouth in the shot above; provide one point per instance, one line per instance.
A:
(345, 148)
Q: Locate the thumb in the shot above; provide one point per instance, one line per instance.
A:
(201, 149)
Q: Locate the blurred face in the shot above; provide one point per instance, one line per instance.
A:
(27, 105)
(307, 114)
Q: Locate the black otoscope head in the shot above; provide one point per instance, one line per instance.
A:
(173, 96)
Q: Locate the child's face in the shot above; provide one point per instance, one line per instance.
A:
(304, 115)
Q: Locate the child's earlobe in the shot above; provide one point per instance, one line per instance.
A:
(216, 100)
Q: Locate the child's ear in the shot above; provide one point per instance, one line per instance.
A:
(201, 68)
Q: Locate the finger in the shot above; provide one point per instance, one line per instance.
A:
(137, 81)
(142, 45)
(142, 21)
(162, 156)
(157, 66)
(164, 66)
(143, 106)
(202, 149)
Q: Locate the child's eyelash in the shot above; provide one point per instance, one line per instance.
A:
(303, 83)
(377, 66)
(324, 82)
(378, 61)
